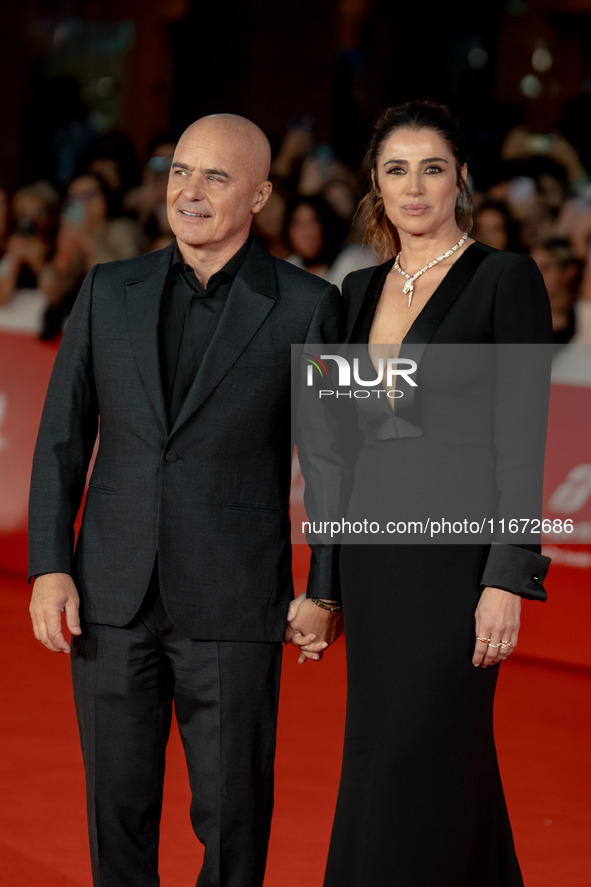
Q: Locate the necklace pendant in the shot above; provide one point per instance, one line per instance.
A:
(408, 287)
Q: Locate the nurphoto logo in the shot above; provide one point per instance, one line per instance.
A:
(387, 373)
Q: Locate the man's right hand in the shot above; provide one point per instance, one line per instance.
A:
(54, 594)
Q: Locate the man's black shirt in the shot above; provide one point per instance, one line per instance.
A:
(189, 315)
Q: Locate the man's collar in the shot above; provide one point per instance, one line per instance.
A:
(230, 269)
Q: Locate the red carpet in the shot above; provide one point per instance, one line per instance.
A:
(543, 718)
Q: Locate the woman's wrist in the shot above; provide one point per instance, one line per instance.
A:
(331, 606)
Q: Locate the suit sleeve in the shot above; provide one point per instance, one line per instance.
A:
(322, 467)
(65, 442)
(521, 317)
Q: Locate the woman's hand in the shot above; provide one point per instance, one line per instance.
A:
(497, 626)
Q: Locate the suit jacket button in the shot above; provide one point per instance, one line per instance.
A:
(171, 456)
(536, 578)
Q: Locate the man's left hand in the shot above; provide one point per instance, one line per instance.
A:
(311, 628)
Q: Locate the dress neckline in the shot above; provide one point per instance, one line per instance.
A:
(435, 308)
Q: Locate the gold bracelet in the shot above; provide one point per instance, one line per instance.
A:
(333, 606)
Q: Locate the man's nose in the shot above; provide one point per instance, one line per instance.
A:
(193, 189)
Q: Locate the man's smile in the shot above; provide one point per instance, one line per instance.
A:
(194, 215)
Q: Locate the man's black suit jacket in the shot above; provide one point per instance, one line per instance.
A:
(210, 494)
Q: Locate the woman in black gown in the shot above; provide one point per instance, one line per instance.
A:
(420, 801)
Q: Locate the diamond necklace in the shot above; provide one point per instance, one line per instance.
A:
(409, 286)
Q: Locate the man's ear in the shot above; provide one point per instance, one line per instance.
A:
(261, 196)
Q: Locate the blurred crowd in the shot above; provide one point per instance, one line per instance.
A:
(110, 209)
(535, 198)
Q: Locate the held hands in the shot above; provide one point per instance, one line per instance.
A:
(54, 594)
(497, 626)
(311, 628)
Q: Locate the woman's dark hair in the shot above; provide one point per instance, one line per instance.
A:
(380, 234)
(334, 230)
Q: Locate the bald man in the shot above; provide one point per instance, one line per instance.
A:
(178, 589)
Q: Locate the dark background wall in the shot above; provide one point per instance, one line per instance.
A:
(142, 67)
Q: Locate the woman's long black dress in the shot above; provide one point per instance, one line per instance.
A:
(420, 801)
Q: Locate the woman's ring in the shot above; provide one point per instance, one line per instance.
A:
(484, 640)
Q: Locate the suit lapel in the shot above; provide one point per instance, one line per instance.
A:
(143, 296)
(360, 315)
(251, 298)
(386, 423)
(436, 309)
